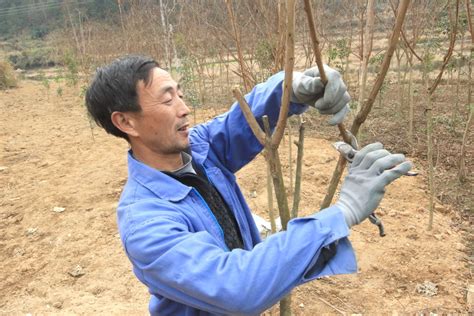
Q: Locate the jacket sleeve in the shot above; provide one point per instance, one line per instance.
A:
(190, 268)
(229, 135)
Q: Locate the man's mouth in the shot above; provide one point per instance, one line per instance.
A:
(183, 128)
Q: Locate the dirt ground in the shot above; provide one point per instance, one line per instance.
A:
(61, 253)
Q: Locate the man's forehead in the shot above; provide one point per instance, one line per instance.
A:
(161, 81)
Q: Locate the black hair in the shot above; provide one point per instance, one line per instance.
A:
(114, 88)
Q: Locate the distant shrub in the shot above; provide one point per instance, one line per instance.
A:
(39, 32)
(32, 58)
(7, 76)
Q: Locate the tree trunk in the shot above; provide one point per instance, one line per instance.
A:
(429, 123)
(290, 156)
(462, 163)
(165, 33)
(458, 82)
(398, 53)
(411, 106)
(429, 132)
(271, 211)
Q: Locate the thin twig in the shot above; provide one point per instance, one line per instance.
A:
(332, 306)
(230, 12)
(448, 53)
(403, 35)
(410, 47)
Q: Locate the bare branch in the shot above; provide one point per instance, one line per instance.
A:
(364, 112)
(244, 106)
(289, 65)
(410, 47)
(403, 35)
(247, 84)
(299, 167)
(317, 54)
(449, 52)
(315, 40)
(362, 115)
(469, 20)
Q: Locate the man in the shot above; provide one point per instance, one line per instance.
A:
(182, 218)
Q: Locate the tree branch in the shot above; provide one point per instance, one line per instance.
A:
(367, 107)
(362, 115)
(317, 55)
(449, 53)
(289, 64)
(315, 40)
(244, 106)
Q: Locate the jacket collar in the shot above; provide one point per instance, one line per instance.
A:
(159, 183)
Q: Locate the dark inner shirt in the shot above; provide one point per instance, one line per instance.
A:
(220, 209)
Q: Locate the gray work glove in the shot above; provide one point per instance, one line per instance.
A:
(332, 99)
(372, 169)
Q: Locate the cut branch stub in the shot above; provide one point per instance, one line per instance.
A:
(299, 166)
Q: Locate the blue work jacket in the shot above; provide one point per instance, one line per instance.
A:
(177, 247)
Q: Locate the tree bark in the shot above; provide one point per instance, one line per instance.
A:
(429, 132)
(411, 106)
(429, 126)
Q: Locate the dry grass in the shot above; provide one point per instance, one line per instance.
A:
(7, 76)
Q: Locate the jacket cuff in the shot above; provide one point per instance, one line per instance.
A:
(344, 260)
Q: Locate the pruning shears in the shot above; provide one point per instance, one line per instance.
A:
(349, 152)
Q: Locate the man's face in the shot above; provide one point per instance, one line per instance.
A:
(162, 125)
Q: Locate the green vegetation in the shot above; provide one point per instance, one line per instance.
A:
(71, 64)
(37, 18)
(340, 51)
(32, 58)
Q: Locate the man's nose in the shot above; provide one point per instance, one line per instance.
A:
(183, 108)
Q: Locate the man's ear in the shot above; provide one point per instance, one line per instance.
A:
(124, 122)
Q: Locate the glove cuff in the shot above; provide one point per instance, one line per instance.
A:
(349, 216)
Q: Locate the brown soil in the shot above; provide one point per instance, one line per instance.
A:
(51, 158)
